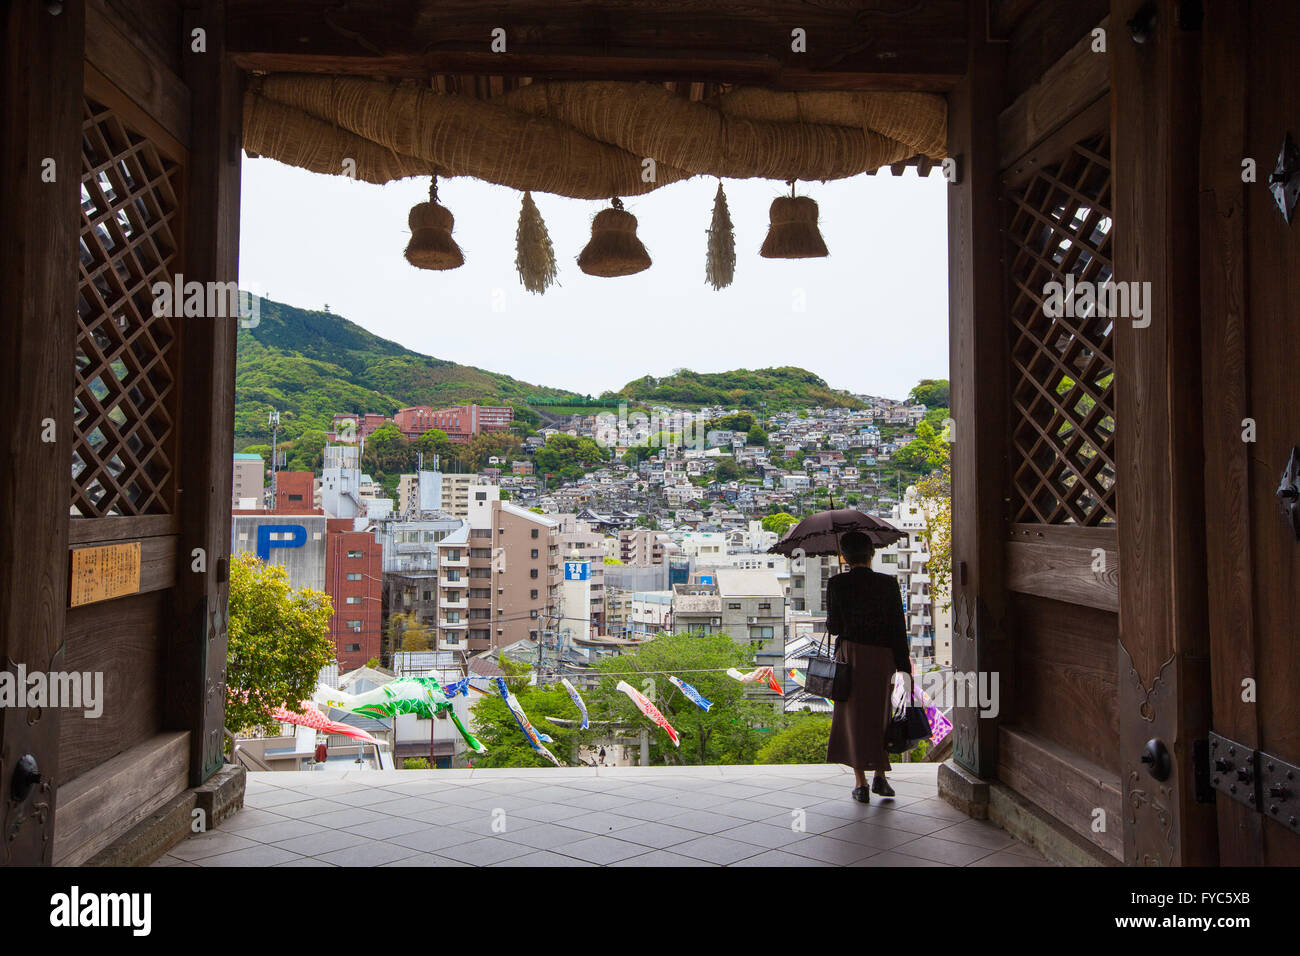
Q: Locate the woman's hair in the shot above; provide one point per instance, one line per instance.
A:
(857, 548)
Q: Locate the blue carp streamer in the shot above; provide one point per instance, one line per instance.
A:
(700, 700)
(577, 700)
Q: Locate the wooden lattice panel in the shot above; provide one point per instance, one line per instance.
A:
(1062, 368)
(124, 406)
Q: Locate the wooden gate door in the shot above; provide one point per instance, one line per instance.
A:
(1250, 285)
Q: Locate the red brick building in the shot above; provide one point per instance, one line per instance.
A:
(354, 563)
(460, 422)
(349, 428)
(295, 492)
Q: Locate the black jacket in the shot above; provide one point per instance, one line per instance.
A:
(865, 607)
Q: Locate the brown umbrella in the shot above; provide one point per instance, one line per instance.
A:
(820, 533)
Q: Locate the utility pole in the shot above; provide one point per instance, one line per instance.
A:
(274, 421)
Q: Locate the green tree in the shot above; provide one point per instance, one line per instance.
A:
(936, 504)
(925, 453)
(278, 642)
(740, 422)
(931, 392)
(726, 470)
(780, 522)
(803, 741)
(756, 436)
(387, 451)
(487, 444)
(434, 442)
(727, 733)
(567, 455)
(307, 452)
(497, 728)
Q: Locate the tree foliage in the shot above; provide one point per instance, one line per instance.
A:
(311, 365)
(567, 457)
(777, 388)
(278, 642)
(936, 504)
(726, 733)
(925, 453)
(804, 741)
(931, 392)
(497, 728)
(780, 522)
(726, 470)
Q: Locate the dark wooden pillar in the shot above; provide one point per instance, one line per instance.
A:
(978, 356)
(1223, 208)
(196, 667)
(40, 109)
(1163, 655)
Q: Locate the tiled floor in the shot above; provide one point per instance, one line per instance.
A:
(786, 815)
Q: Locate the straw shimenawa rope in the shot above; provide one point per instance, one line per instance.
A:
(586, 140)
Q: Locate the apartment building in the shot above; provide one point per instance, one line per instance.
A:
(808, 577)
(499, 577)
(459, 490)
(461, 423)
(248, 483)
(420, 492)
(646, 613)
(351, 428)
(581, 543)
(354, 581)
(641, 547)
(929, 628)
(753, 609)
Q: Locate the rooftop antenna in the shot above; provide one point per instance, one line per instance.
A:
(274, 421)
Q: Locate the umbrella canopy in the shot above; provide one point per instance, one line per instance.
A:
(820, 533)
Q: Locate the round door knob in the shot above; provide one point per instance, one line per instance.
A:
(26, 776)
(1157, 759)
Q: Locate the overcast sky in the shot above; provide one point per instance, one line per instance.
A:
(875, 311)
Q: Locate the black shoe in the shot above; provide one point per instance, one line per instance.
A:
(861, 794)
(881, 786)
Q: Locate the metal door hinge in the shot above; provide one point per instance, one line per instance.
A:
(1279, 791)
(1267, 784)
(1232, 770)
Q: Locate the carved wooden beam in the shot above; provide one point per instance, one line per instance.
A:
(867, 44)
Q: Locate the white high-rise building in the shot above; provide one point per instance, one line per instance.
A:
(340, 484)
(929, 628)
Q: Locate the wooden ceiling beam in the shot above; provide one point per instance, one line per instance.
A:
(861, 44)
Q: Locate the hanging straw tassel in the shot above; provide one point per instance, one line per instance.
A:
(614, 249)
(720, 265)
(534, 255)
(793, 232)
(431, 245)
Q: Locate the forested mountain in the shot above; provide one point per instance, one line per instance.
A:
(781, 388)
(310, 365)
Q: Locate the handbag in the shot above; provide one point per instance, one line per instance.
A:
(907, 727)
(828, 677)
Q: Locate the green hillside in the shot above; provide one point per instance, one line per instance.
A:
(311, 365)
(780, 388)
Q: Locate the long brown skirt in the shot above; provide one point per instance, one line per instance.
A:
(858, 724)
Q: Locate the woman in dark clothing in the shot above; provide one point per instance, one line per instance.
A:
(864, 610)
